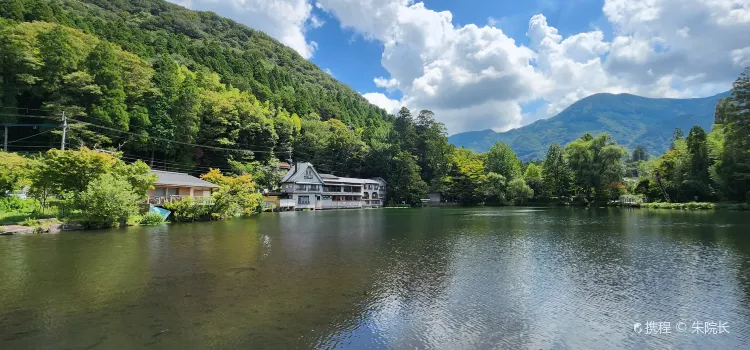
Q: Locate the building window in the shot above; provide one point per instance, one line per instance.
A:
(374, 195)
(301, 187)
(308, 173)
(304, 199)
(376, 187)
(313, 187)
(366, 196)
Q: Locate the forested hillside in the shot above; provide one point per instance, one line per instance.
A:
(156, 70)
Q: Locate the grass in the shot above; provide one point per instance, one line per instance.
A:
(25, 212)
(697, 206)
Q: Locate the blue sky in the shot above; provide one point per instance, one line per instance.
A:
(504, 64)
(355, 60)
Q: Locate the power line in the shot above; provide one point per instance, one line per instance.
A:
(177, 165)
(138, 135)
(28, 137)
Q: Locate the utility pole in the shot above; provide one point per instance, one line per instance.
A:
(5, 140)
(290, 155)
(65, 129)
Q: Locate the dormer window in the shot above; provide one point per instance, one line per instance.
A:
(308, 173)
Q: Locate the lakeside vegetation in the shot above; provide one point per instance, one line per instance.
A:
(98, 189)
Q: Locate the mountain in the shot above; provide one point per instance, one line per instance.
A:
(244, 58)
(631, 120)
(183, 90)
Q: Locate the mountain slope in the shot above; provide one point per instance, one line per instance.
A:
(247, 59)
(631, 120)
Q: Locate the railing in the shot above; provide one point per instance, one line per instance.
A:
(161, 200)
(336, 205)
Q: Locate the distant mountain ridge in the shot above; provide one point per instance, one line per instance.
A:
(632, 120)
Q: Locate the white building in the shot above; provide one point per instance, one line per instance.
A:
(312, 190)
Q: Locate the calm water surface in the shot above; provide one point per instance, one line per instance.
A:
(423, 278)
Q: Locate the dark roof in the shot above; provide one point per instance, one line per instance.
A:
(284, 165)
(328, 176)
(179, 179)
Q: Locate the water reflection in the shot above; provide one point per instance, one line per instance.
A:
(454, 278)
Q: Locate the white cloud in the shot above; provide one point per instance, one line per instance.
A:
(285, 20)
(382, 101)
(476, 77)
(492, 21)
(469, 76)
(388, 84)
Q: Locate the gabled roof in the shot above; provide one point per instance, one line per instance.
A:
(167, 178)
(296, 174)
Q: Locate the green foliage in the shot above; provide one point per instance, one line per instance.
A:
(468, 179)
(70, 172)
(13, 172)
(237, 195)
(555, 172)
(31, 222)
(188, 210)
(683, 206)
(533, 178)
(595, 163)
(405, 185)
(151, 219)
(519, 192)
(107, 200)
(502, 160)
(495, 189)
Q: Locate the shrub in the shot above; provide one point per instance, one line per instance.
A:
(8, 204)
(107, 200)
(683, 206)
(31, 222)
(152, 219)
(186, 210)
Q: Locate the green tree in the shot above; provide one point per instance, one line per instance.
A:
(697, 148)
(495, 188)
(502, 160)
(107, 200)
(468, 179)
(70, 171)
(110, 107)
(519, 192)
(595, 163)
(13, 172)
(432, 147)
(736, 158)
(404, 183)
(236, 195)
(404, 131)
(13, 9)
(534, 179)
(555, 173)
(639, 154)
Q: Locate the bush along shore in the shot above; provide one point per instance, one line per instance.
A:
(88, 189)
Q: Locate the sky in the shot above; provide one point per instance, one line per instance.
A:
(501, 64)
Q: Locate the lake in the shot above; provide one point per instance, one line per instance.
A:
(460, 278)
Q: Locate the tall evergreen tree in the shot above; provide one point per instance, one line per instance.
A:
(555, 172)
